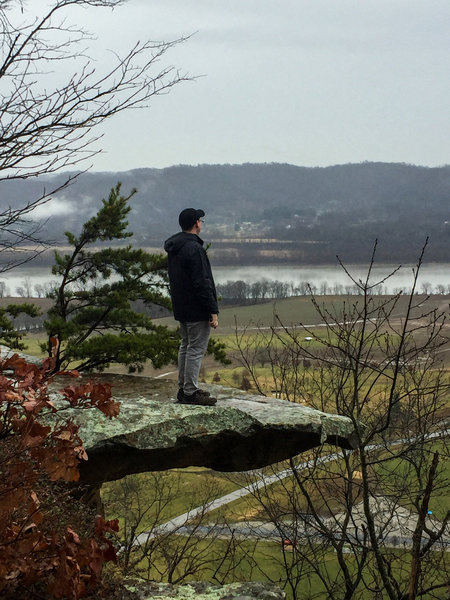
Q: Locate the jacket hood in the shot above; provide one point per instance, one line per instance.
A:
(177, 241)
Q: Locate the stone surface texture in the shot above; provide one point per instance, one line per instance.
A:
(203, 591)
(153, 432)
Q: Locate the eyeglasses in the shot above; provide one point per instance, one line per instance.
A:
(202, 220)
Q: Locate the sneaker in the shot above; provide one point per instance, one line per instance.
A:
(200, 397)
(180, 394)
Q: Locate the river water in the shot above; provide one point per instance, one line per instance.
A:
(431, 275)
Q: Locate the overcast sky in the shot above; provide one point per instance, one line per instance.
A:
(306, 82)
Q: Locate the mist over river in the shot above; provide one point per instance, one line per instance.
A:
(431, 276)
(333, 275)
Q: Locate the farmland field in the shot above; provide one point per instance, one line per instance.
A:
(295, 311)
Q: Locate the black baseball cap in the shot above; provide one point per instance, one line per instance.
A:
(189, 216)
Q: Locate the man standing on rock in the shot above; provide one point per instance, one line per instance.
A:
(194, 302)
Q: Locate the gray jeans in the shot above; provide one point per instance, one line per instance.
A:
(194, 341)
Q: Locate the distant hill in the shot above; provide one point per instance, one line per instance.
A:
(314, 213)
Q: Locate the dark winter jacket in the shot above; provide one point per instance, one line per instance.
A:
(192, 286)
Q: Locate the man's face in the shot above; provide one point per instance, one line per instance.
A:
(199, 224)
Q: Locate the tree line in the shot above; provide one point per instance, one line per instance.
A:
(320, 211)
(268, 289)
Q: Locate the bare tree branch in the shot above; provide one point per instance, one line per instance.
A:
(53, 97)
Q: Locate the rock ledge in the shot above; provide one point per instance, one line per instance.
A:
(242, 432)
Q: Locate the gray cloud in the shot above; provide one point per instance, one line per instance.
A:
(300, 81)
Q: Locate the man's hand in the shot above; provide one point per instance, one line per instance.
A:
(214, 321)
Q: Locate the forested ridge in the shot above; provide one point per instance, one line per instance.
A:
(316, 212)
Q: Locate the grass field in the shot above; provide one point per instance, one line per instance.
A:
(264, 562)
(181, 490)
(259, 560)
(248, 321)
(290, 312)
(268, 562)
(299, 309)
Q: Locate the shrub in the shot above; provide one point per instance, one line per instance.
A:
(41, 552)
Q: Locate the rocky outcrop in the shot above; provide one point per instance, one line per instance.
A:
(200, 591)
(240, 433)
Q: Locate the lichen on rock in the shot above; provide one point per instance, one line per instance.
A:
(241, 432)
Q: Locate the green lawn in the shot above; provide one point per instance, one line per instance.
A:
(33, 341)
(300, 309)
(168, 493)
(266, 561)
(290, 311)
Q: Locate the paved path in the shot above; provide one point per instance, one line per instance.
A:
(264, 480)
(164, 374)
